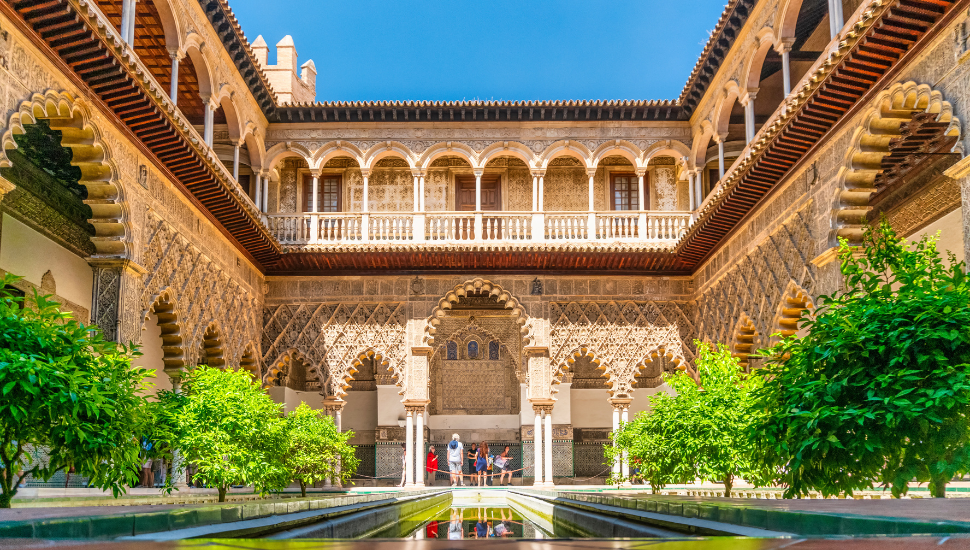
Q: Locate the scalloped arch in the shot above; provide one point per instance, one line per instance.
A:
(565, 148)
(893, 108)
(71, 116)
(478, 285)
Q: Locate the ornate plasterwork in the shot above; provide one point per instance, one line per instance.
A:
(98, 171)
(198, 292)
(883, 124)
(478, 286)
(621, 337)
(482, 385)
(753, 288)
(332, 336)
(666, 189)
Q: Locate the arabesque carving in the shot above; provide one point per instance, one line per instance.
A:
(332, 336)
(621, 337)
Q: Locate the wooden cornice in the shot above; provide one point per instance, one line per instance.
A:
(887, 35)
(76, 37)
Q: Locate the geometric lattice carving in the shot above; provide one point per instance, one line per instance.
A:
(621, 336)
(192, 294)
(332, 336)
(753, 287)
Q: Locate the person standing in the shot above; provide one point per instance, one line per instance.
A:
(472, 458)
(456, 452)
(503, 466)
(404, 463)
(481, 463)
(431, 466)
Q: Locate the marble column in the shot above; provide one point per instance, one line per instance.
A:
(784, 48)
(365, 204)
(235, 161)
(409, 450)
(537, 443)
(747, 101)
(625, 461)
(315, 190)
(835, 18)
(419, 450)
(547, 455)
(173, 93)
(616, 427)
(720, 156)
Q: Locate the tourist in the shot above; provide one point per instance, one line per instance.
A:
(456, 531)
(472, 457)
(503, 528)
(503, 466)
(147, 475)
(455, 452)
(404, 464)
(481, 463)
(431, 466)
(481, 528)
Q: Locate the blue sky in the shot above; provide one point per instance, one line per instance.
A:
(369, 50)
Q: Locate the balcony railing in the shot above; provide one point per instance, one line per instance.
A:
(482, 227)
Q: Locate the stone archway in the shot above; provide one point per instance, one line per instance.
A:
(211, 350)
(745, 340)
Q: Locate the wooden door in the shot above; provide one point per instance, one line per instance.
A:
(465, 193)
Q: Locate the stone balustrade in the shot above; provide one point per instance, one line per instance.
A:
(653, 227)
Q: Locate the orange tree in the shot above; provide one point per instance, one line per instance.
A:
(66, 391)
(700, 431)
(878, 390)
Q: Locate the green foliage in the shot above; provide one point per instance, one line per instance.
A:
(230, 429)
(698, 432)
(878, 391)
(66, 390)
(316, 450)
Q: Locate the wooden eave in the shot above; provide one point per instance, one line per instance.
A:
(873, 51)
(89, 52)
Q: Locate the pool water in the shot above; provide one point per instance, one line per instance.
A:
(459, 523)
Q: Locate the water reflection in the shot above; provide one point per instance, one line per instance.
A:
(458, 523)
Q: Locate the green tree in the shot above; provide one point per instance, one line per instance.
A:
(878, 390)
(700, 431)
(316, 450)
(230, 429)
(68, 392)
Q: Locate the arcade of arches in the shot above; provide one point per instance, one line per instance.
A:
(522, 273)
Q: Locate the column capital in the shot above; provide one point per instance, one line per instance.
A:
(418, 173)
(784, 45)
(748, 96)
(620, 403)
(479, 172)
(542, 409)
(124, 264)
(175, 53)
(332, 403)
(535, 350)
(416, 405)
(315, 172)
(591, 172)
(640, 172)
(537, 173)
(365, 172)
(718, 138)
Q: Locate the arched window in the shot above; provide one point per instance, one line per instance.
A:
(452, 349)
(473, 350)
(493, 350)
